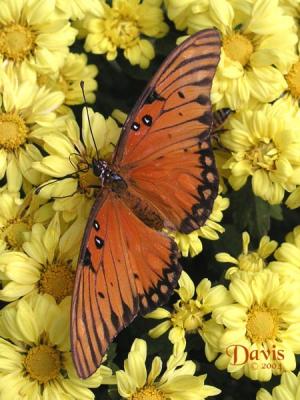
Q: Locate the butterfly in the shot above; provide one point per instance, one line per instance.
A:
(162, 175)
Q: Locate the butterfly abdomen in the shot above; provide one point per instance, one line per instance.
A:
(144, 211)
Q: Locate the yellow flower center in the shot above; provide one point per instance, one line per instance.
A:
(16, 42)
(188, 315)
(148, 393)
(43, 363)
(251, 262)
(58, 281)
(262, 324)
(238, 47)
(13, 231)
(293, 80)
(122, 27)
(13, 131)
(263, 155)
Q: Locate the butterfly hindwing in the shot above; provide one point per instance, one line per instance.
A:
(125, 268)
(164, 152)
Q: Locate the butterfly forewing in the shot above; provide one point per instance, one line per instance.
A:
(125, 268)
(164, 152)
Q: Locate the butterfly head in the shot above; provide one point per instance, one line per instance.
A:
(108, 177)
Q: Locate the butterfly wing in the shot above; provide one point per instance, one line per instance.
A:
(164, 152)
(124, 268)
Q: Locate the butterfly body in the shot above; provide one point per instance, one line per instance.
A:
(162, 175)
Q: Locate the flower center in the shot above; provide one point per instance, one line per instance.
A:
(251, 262)
(43, 363)
(122, 28)
(262, 324)
(148, 393)
(293, 80)
(58, 281)
(13, 231)
(238, 47)
(263, 155)
(16, 42)
(188, 315)
(13, 131)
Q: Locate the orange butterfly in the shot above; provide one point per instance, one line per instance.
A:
(163, 175)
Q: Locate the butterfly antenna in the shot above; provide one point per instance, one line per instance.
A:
(88, 117)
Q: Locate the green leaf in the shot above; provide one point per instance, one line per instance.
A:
(251, 213)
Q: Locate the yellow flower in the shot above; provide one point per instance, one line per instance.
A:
(31, 33)
(290, 7)
(77, 9)
(122, 26)
(191, 244)
(190, 315)
(288, 389)
(67, 79)
(68, 154)
(17, 217)
(293, 80)
(36, 361)
(258, 48)
(25, 110)
(179, 11)
(293, 201)
(46, 265)
(248, 263)
(261, 327)
(287, 256)
(264, 144)
(176, 383)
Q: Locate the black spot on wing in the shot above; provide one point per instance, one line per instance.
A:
(96, 225)
(135, 126)
(87, 258)
(153, 96)
(99, 242)
(147, 119)
(206, 118)
(203, 100)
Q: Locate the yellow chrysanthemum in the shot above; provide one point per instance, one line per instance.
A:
(287, 256)
(264, 144)
(176, 383)
(36, 361)
(288, 389)
(122, 26)
(25, 110)
(293, 201)
(77, 9)
(190, 315)
(17, 217)
(191, 244)
(69, 155)
(67, 79)
(248, 263)
(46, 265)
(290, 7)
(32, 33)
(258, 48)
(293, 80)
(261, 327)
